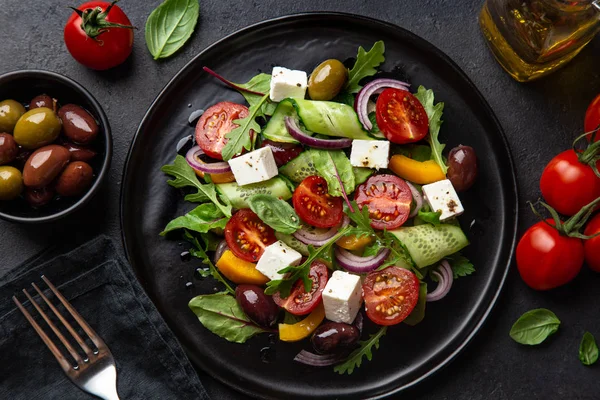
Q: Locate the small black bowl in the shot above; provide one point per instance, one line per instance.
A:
(23, 86)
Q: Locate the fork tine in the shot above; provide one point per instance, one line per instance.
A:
(49, 343)
(64, 341)
(66, 323)
(87, 329)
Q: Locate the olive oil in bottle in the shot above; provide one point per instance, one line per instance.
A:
(532, 38)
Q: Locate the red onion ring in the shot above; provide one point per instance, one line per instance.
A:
(357, 264)
(317, 360)
(362, 98)
(445, 278)
(221, 248)
(192, 158)
(319, 239)
(291, 124)
(417, 198)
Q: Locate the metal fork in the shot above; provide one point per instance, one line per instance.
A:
(96, 373)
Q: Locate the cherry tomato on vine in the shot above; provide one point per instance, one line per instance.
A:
(592, 246)
(99, 35)
(546, 259)
(401, 116)
(592, 117)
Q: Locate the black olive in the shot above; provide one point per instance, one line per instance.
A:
(332, 337)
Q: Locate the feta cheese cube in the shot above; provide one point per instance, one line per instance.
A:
(287, 83)
(441, 196)
(276, 257)
(256, 166)
(342, 297)
(370, 153)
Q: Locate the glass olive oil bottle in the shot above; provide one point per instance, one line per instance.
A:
(531, 38)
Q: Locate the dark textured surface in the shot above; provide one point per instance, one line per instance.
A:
(540, 120)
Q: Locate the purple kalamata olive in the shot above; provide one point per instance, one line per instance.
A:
(332, 337)
(258, 306)
(462, 167)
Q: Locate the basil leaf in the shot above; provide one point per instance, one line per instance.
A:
(276, 213)
(221, 314)
(170, 25)
(201, 219)
(365, 65)
(588, 349)
(239, 138)
(434, 113)
(330, 164)
(365, 349)
(534, 326)
(430, 217)
(461, 266)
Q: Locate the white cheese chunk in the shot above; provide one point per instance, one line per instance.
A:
(256, 166)
(276, 257)
(342, 297)
(287, 83)
(441, 196)
(370, 153)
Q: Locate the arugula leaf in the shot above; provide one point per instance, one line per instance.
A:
(199, 252)
(330, 165)
(170, 25)
(461, 266)
(260, 83)
(344, 97)
(399, 255)
(361, 218)
(375, 131)
(240, 138)
(201, 219)
(184, 176)
(588, 349)
(434, 113)
(276, 213)
(354, 360)
(221, 314)
(534, 326)
(430, 217)
(365, 65)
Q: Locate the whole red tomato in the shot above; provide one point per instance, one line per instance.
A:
(567, 184)
(592, 246)
(99, 35)
(592, 117)
(546, 259)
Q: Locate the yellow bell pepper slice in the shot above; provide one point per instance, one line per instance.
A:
(421, 172)
(240, 271)
(352, 242)
(302, 329)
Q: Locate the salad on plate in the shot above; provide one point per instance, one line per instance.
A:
(326, 199)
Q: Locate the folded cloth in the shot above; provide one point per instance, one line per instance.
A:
(101, 286)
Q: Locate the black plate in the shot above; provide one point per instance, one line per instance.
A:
(407, 354)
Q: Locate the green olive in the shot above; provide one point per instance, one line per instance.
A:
(10, 112)
(327, 80)
(37, 128)
(11, 183)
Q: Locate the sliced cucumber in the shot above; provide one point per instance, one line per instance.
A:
(293, 243)
(361, 174)
(238, 195)
(275, 129)
(299, 168)
(428, 244)
(329, 118)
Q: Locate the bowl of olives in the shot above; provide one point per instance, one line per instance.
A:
(55, 146)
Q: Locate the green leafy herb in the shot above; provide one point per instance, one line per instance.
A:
(291, 319)
(330, 165)
(184, 176)
(365, 349)
(588, 349)
(276, 213)
(199, 252)
(430, 217)
(434, 113)
(361, 218)
(399, 255)
(170, 25)
(239, 138)
(361, 174)
(221, 314)
(260, 83)
(375, 130)
(534, 326)
(201, 219)
(418, 313)
(461, 266)
(203, 272)
(345, 97)
(365, 65)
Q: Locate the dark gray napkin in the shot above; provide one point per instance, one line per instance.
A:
(101, 286)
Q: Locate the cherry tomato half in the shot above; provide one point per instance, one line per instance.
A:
(315, 205)
(247, 236)
(390, 295)
(388, 198)
(592, 246)
(283, 152)
(401, 117)
(546, 259)
(567, 185)
(108, 49)
(592, 118)
(299, 302)
(215, 123)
